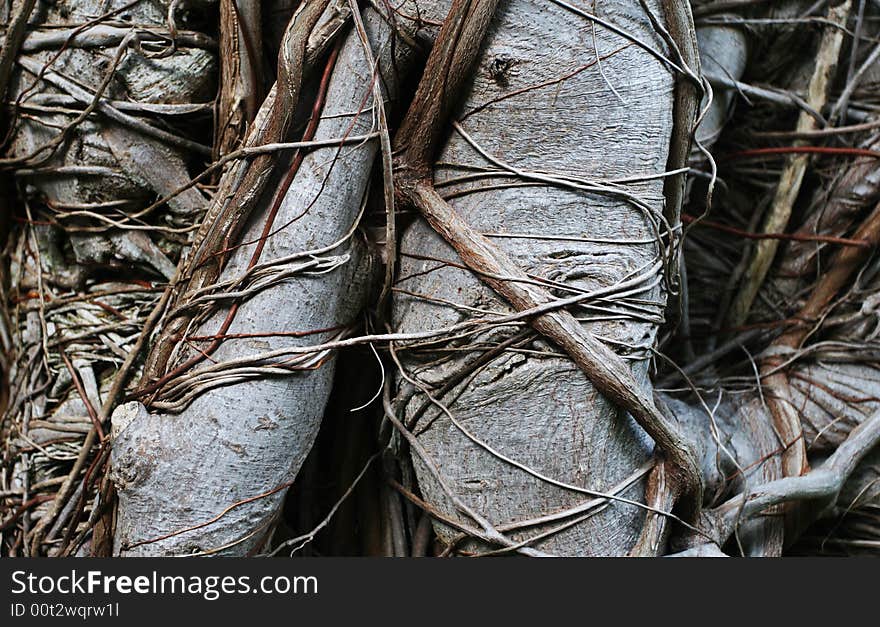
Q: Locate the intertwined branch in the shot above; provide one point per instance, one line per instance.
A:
(416, 143)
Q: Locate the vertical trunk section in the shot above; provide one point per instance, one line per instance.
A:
(205, 471)
(562, 140)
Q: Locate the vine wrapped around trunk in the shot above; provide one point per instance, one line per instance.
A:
(472, 277)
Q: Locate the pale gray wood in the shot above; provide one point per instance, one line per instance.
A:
(174, 471)
(543, 412)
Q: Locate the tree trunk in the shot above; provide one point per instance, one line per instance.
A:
(597, 326)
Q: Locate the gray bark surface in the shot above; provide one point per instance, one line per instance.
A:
(243, 438)
(105, 167)
(558, 152)
(597, 125)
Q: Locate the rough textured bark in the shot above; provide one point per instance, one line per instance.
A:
(530, 327)
(72, 276)
(545, 413)
(238, 441)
